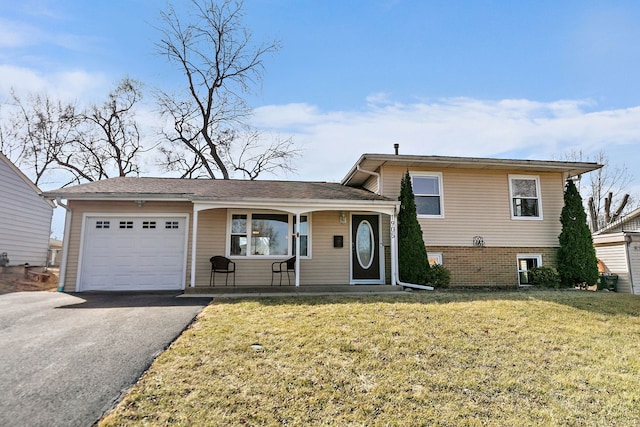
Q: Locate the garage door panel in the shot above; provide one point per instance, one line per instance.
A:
(133, 253)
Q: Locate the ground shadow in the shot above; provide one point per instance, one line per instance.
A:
(94, 300)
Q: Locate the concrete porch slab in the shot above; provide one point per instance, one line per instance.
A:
(270, 291)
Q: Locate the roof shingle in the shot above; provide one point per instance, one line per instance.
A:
(212, 189)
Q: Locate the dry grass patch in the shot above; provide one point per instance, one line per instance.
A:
(17, 282)
(521, 358)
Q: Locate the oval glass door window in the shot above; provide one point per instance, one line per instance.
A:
(364, 244)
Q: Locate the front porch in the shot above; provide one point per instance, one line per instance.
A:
(332, 244)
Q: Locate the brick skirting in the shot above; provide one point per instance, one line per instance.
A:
(487, 266)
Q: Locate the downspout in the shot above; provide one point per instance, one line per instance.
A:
(398, 281)
(627, 240)
(65, 244)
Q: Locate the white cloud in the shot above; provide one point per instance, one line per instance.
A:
(71, 84)
(333, 141)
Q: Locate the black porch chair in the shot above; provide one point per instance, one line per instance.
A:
(220, 264)
(282, 267)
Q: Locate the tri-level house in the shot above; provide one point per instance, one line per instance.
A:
(487, 220)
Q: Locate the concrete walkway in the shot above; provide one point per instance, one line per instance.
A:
(289, 291)
(66, 359)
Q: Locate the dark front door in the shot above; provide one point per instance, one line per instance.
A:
(365, 249)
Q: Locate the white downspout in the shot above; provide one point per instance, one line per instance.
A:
(628, 239)
(394, 254)
(65, 244)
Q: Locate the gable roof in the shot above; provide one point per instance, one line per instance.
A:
(619, 224)
(212, 190)
(371, 162)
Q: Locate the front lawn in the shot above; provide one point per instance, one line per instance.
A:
(428, 358)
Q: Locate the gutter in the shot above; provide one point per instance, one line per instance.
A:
(65, 244)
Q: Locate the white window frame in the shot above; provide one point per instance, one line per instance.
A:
(249, 215)
(537, 257)
(535, 178)
(438, 175)
(437, 256)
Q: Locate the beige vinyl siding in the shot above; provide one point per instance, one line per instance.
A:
(371, 184)
(614, 258)
(79, 208)
(210, 242)
(25, 220)
(477, 203)
(329, 265)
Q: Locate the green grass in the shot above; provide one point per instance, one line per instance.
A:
(432, 358)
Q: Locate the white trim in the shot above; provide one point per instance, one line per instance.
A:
(388, 208)
(194, 246)
(426, 174)
(290, 233)
(536, 178)
(436, 255)
(83, 232)
(394, 247)
(537, 257)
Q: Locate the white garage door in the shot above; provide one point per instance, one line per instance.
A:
(133, 253)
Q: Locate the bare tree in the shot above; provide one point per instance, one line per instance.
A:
(37, 132)
(605, 190)
(47, 136)
(111, 143)
(207, 133)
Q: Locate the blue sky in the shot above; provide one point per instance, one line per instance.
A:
(518, 79)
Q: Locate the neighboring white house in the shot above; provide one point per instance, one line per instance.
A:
(618, 249)
(25, 217)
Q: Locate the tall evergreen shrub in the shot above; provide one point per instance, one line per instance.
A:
(576, 257)
(412, 253)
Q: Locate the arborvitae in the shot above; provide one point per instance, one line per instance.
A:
(576, 257)
(412, 253)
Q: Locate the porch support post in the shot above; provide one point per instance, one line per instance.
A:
(296, 235)
(194, 244)
(393, 229)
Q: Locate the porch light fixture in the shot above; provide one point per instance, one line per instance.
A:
(343, 217)
(140, 203)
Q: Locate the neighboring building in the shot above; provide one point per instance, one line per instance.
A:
(55, 252)
(25, 217)
(618, 251)
(487, 220)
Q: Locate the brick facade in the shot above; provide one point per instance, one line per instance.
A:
(485, 266)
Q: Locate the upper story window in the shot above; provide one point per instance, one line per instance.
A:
(427, 191)
(526, 202)
(266, 234)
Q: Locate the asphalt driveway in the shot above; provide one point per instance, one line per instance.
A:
(65, 359)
